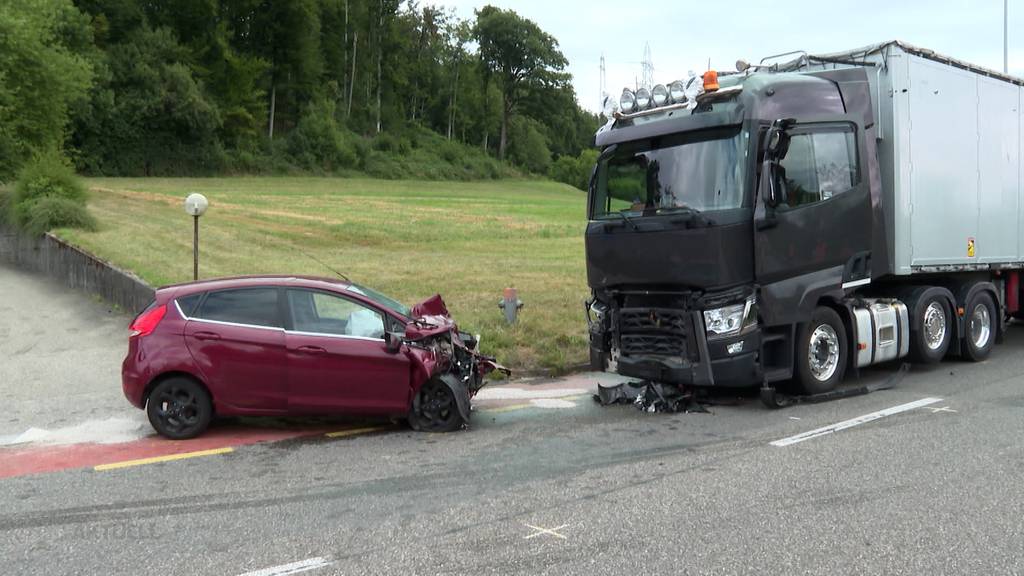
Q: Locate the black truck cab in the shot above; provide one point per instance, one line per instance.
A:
(716, 227)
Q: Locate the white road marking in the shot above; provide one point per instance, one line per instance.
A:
(545, 531)
(943, 409)
(293, 568)
(855, 421)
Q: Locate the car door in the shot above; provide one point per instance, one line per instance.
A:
(237, 339)
(818, 235)
(337, 360)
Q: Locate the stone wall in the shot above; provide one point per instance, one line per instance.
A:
(74, 268)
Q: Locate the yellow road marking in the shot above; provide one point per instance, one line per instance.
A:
(354, 431)
(513, 407)
(167, 458)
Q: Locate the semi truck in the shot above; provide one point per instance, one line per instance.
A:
(797, 220)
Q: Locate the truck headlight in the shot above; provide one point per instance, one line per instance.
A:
(731, 320)
(596, 312)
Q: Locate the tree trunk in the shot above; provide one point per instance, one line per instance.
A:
(504, 131)
(453, 102)
(344, 58)
(352, 81)
(380, 56)
(273, 106)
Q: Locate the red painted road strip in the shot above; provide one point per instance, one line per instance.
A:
(38, 459)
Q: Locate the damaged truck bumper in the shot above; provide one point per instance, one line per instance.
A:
(671, 346)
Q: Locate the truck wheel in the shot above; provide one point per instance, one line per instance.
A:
(981, 327)
(931, 329)
(821, 353)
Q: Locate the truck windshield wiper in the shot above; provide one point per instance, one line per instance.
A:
(692, 215)
(627, 220)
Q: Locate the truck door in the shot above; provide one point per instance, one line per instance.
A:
(813, 222)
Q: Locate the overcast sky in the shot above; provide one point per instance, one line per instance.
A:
(683, 35)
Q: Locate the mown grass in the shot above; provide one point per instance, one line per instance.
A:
(410, 239)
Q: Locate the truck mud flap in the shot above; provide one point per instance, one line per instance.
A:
(774, 399)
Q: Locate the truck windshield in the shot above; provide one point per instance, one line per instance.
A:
(681, 173)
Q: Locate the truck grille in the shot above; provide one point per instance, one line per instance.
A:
(653, 331)
(652, 320)
(636, 344)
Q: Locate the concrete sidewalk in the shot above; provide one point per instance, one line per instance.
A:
(60, 356)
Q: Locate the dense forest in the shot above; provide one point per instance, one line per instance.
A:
(382, 87)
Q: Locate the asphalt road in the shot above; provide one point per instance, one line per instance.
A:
(934, 489)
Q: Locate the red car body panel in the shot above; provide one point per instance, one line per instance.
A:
(269, 370)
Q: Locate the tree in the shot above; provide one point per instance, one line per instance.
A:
(42, 75)
(516, 50)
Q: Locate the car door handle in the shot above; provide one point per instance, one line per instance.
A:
(206, 336)
(311, 350)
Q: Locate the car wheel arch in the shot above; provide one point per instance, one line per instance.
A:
(176, 374)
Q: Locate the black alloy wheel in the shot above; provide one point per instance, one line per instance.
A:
(179, 408)
(435, 408)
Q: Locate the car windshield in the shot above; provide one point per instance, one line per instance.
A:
(687, 172)
(380, 299)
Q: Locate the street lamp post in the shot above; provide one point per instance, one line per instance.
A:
(195, 206)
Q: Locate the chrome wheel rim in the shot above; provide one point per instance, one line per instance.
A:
(823, 352)
(934, 326)
(981, 326)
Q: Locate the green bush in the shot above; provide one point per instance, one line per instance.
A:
(527, 146)
(319, 143)
(574, 171)
(48, 195)
(49, 212)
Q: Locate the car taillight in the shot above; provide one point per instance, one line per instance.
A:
(148, 320)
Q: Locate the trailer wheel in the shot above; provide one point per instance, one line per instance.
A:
(981, 327)
(931, 330)
(821, 353)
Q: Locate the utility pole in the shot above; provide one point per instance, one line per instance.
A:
(647, 68)
(1006, 57)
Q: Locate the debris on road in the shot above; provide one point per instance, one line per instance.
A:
(650, 397)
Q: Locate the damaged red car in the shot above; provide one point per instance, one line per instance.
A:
(286, 345)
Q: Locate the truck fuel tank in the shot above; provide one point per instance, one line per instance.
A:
(882, 330)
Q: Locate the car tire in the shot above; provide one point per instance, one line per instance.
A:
(179, 408)
(821, 353)
(931, 329)
(435, 408)
(980, 326)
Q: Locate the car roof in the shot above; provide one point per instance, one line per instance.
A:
(186, 288)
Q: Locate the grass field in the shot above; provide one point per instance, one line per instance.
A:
(410, 239)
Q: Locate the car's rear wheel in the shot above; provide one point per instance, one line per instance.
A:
(179, 408)
(435, 408)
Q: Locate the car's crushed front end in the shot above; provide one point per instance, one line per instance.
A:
(439, 352)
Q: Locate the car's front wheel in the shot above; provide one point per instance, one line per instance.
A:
(435, 408)
(179, 408)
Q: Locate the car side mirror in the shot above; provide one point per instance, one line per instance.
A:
(393, 342)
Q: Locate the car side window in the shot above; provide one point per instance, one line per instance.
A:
(818, 166)
(252, 306)
(322, 313)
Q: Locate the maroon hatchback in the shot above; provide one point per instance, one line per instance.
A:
(276, 345)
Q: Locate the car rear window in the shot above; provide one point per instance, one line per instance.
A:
(253, 306)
